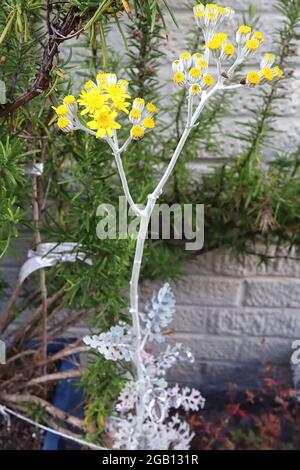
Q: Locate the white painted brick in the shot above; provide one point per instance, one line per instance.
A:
(208, 347)
(199, 290)
(190, 319)
(252, 322)
(273, 293)
(225, 263)
(235, 322)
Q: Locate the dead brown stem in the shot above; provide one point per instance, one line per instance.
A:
(6, 318)
(19, 333)
(70, 374)
(52, 410)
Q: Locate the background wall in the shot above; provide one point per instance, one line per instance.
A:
(288, 124)
(236, 317)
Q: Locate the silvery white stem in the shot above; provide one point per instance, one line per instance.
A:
(144, 223)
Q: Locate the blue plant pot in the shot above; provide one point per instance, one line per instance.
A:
(67, 397)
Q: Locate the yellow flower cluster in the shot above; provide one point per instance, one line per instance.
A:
(191, 71)
(210, 15)
(141, 116)
(220, 47)
(65, 112)
(102, 103)
(267, 73)
(249, 41)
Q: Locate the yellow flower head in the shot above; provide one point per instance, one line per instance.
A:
(221, 11)
(151, 108)
(139, 103)
(267, 74)
(137, 132)
(63, 122)
(148, 123)
(258, 35)
(278, 73)
(252, 45)
(93, 100)
(214, 44)
(199, 14)
(208, 80)
(104, 122)
(185, 55)
(89, 84)
(198, 56)
(195, 72)
(202, 64)
(244, 29)
(211, 16)
(179, 78)
(69, 99)
(135, 114)
(119, 103)
(211, 6)
(60, 110)
(195, 89)
(253, 78)
(124, 84)
(269, 57)
(221, 37)
(229, 49)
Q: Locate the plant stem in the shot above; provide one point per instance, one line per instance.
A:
(145, 216)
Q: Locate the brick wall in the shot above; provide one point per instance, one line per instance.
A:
(235, 316)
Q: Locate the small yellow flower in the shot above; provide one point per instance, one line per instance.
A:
(208, 80)
(137, 132)
(63, 122)
(89, 84)
(69, 99)
(198, 56)
(179, 78)
(202, 63)
(214, 44)
(211, 16)
(60, 110)
(211, 6)
(124, 84)
(199, 14)
(139, 103)
(278, 72)
(185, 55)
(93, 100)
(104, 122)
(148, 123)
(195, 89)
(252, 45)
(253, 78)
(244, 29)
(229, 49)
(221, 37)
(151, 108)
(269, 57)
(221, 10)
(258, 35)
(195, 72)
(267, 74)
(135, 113)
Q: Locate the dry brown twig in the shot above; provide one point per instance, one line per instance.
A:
(71, 23)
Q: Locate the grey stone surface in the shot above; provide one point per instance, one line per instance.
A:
(273, 293)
